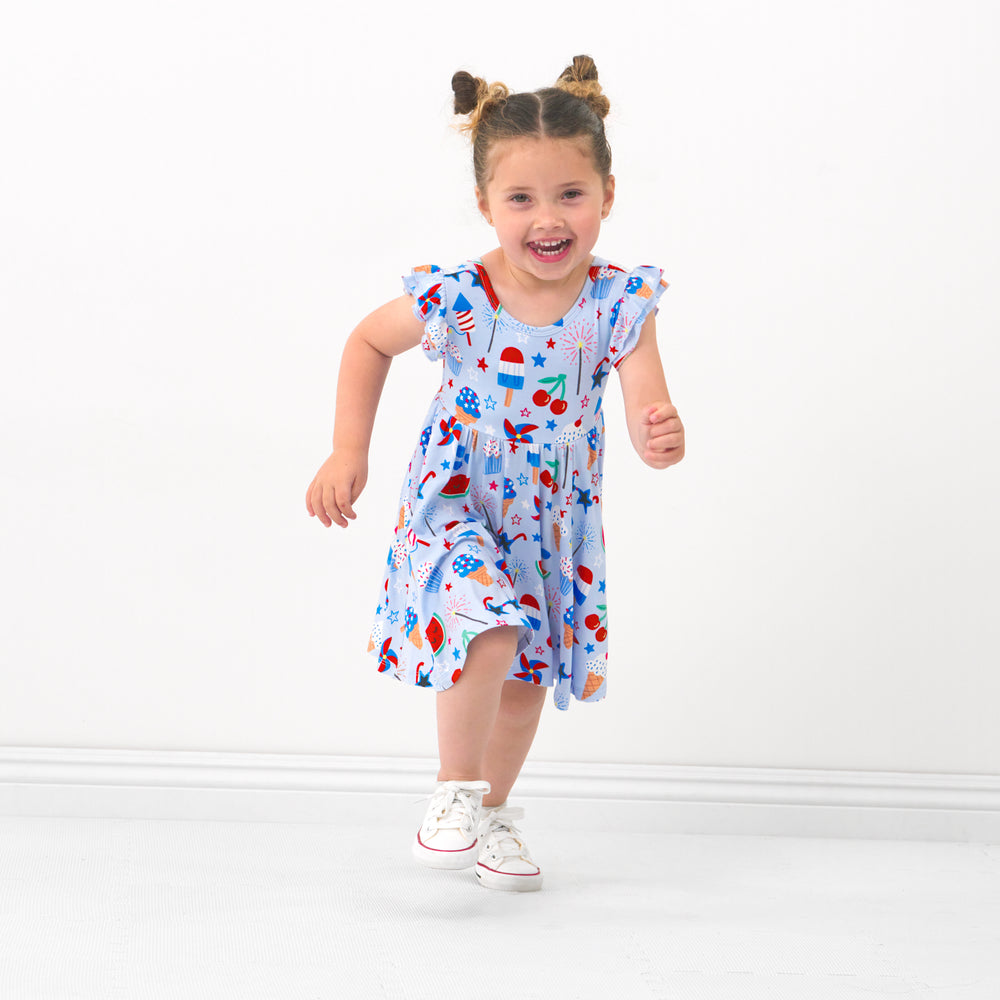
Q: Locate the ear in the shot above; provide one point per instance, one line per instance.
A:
(484, 206)
(609, 196)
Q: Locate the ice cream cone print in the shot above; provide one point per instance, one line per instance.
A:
(591, 456)
(596, 673)
(556, 533)
(469, 567)
(412, 628)
(506, 506)
(375, 639)
(402, 518)
(568, 636)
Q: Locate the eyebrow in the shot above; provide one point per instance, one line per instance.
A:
(527, 187)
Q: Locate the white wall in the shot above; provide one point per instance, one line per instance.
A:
(198, 202)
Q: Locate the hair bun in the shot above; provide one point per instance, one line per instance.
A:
(476, 98)
(580, 80)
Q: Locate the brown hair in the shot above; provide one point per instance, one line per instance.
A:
(574, 107)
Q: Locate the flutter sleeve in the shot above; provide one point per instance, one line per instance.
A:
(426, 285)
(639, 292)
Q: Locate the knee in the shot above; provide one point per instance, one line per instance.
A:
(521, 703)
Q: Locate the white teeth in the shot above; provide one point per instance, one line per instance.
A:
(549, 247)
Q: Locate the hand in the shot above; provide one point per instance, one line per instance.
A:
(661, 435)
(336, 486)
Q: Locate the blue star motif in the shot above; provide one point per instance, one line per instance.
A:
(602, 590)
(548, 505)
(536, 538)
(393, 617)
(378, 610)
(589, 647)
(584, 498)
(550, 425)
(457, 655)
(522, 480)
(490, 403)
(539, 360)
(446, 464)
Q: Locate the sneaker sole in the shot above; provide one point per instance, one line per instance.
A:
(506, 882)
(455, 860)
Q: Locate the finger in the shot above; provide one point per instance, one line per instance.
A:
(314, 502)
(309, 506)
(345, 501)
(665, 442)
(331, 508)
(671, 425)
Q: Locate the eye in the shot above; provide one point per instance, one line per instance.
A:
(520, 199)
(573, 194)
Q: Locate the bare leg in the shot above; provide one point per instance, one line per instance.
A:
(516, 722)
(467, 711)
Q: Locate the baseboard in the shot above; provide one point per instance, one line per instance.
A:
(186, 785)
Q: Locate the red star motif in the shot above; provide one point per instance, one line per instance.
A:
(493, 485)
(516, 519)
(482, 364)
(525, 412)
(550, 344)
(451, 383)
(465, 508)
(447, 548)
(614, 350)
(598, 313)
(447, 586)
(585, 401)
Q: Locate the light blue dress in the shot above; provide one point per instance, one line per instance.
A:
(499, 519)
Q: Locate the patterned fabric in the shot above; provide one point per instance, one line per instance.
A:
(500, 512)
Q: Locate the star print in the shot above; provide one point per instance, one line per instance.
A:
(522, 338)
(446, 464)
(522, 480)
(525, 412)
(593, 478)
(465, 508)
(489, 402)
(473, 375)
(550, 425)
(539, 360)
(598, 313)
(490, 430)
(456, 654)
(516, 519)
(550, 344)
(614, 350)
(451, 384)
(447, 545)
(585, 401)
(548, 505)
(393, 617)
(589, 647)
(584, 498)
(602, 590)
(482, 364)
(493, 485)
(447, 586)
(378, 610)
(536, 538)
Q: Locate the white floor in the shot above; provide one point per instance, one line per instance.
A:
(133, 909)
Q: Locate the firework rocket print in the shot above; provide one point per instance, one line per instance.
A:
(500, 514)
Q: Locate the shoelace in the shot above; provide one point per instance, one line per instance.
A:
(453, 806)
(501, 834)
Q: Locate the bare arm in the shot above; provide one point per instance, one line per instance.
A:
(653, 423)
(377, 339)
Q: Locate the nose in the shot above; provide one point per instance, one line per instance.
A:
(548, 216)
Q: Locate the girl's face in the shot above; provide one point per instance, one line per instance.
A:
(546, 200)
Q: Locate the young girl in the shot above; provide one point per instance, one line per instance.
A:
(494, 586)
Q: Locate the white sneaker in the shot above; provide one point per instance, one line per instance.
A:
(448, 837)
(504, 861)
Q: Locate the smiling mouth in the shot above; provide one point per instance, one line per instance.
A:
(549, 248)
